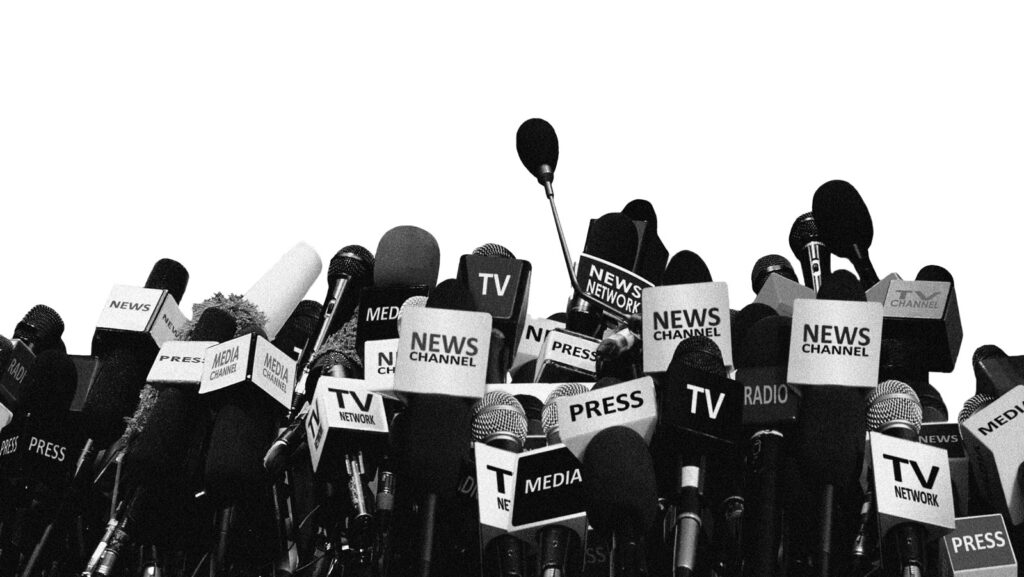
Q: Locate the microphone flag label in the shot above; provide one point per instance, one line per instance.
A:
(947, 436)
(979, 546)
(380, 363)
(767, 399)
(835, 343)
(703, 404)
(612, 285)
(180, 363)
(141, 310)
(496, 482)
(916, 299)
(495, 283)
(346, 416)
(912, 484)
(443, 352)
(632, 404)
(877, 293)
(13, 377)
(992, 439)
(674, 313)
(534, 334)
(780, 293)
(549, 488)
(249, 359)
(571, 349)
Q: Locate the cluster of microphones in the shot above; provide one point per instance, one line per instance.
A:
(410, 427)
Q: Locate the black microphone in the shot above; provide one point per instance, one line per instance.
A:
(769, 417)
(38, 331)
(742, 322)
(611, 238)
(829, 439)
(651, 255)
(768, 265)
(620, 493)
(125, 359)
(537, 145)
(984, 375)
(299, 330)
(806, 243)
(349, 271)
(845, 226)
(499, 421)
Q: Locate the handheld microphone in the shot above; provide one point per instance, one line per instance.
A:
(651, 253)
(609, 252)
(983, 372)
(743, 320)
(127, 355)
(299, 330)
(845, 226)
(775, 284)
(38, 331)
(550, 415)
(279, 290)
(349, 271)
(806, 243)
(620, 493)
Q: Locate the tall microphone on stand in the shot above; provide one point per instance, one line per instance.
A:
(815, 258)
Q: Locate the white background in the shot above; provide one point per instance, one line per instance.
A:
(220, 134)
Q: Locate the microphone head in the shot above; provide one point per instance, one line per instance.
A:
(41, 326)
(498, 416)
(934, 272)
(248, 317)
(613, 238)
(413, 302)
(986, 352)
(299, 328)
(549, 418)
(744, 319)
(452, 295)
(843, 219)
(537, 145)
(973, 405)
(619, 487)
(841, 285)
(701, 353)
(803, 232)
(494, 251)
(168, 275)
(352, 262)
(432, 438)
(685, 267)
(406, 256)
(766, 343)
(894, 405)
(769, 265)
(642, 210)
(214, 324)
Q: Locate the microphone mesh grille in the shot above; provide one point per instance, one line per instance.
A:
(418, 301)
(41, 324)
(494, 250)
(352, 261)
(973, 405)
(494, 399)
(805, 230)
(893, 402)
(500, 420)
(549, 418)
(769, 264)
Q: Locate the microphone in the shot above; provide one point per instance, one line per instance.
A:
(768, 265)
(500, 421)
(349, 271)
(299, 329)
(701, 404)
(407, 263)
(742, 322)
(983, 370)
(500, 286)
(845, 226)
(619, 490)
(806, 243)
(900, 361)
(651, 253)
(126, 348)
(610, 249)
(770, 411)
(912, 501)
(40, 330)
(991, 430)
(537, 146)
(279, 290)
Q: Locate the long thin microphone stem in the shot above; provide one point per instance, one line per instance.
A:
(825, 544)
(568, 260)
(427, 550)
